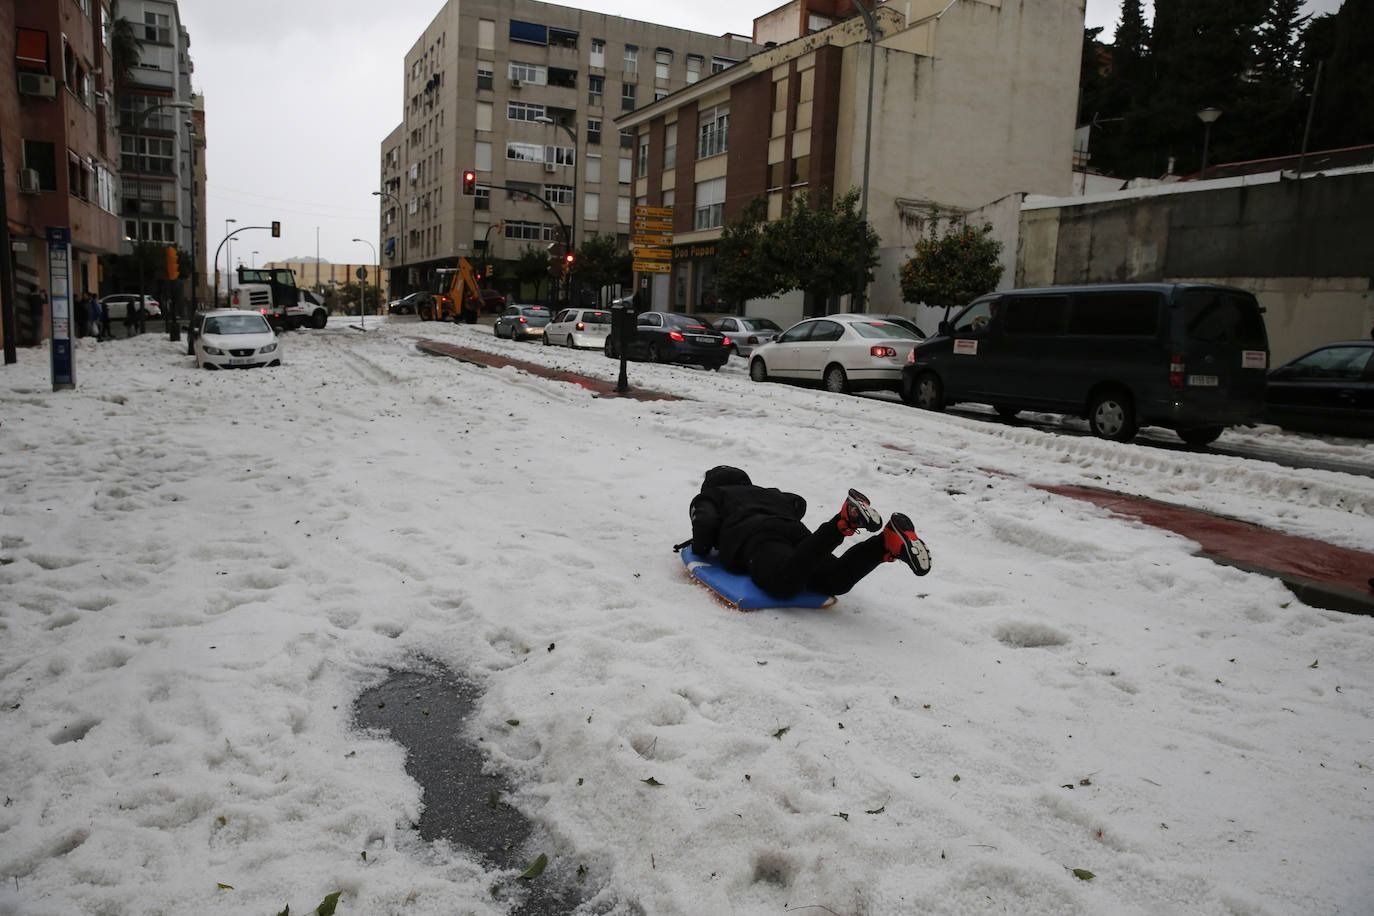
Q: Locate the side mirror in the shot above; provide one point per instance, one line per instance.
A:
(946, 328)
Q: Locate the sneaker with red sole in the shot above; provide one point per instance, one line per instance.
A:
(901, 543)
(857, 513)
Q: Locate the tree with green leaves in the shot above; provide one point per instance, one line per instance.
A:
(742, 269)
(824, 250)
(532, 267)
(953, 268)
(600, 263)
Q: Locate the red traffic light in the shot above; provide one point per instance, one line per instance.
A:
(469, 182)
(568, 257)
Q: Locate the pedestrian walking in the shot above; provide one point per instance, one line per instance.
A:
(82, 310)
(97, 317)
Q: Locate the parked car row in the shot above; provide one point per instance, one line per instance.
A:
(1190, 357)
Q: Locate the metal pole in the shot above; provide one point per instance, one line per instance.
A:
(7, 303)
(1311, 108)
(861, 292)
(228, 247)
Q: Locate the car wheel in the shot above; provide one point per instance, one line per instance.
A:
(1111, 415)
(757, 370)
(571, 345)
(546, 340)
(1203, 435)
(652, 352)
(734, 350)
(836, 382)
(1006, 411)
(928, 392)
(319, 319)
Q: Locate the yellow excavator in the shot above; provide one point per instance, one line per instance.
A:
(456, 295)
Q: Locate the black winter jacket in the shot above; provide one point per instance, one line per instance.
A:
(734, 517)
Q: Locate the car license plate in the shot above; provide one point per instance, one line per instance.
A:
(1202, 381)
(704, 340)
(240, 361)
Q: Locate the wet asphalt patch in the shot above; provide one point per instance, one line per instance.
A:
(426, 712)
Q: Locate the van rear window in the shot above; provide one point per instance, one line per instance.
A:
(1220, 316)
(1123, 313)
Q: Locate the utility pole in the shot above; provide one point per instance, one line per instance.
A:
(6, 270)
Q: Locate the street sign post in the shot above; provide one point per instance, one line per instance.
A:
(60, 303)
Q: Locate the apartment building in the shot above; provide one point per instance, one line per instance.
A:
(58, 147)
(973, 100)
(525, 94)
(156, 127)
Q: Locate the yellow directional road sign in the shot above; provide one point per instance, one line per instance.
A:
(653, 267)
(644, 253)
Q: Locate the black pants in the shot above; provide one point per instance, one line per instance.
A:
(782, 568)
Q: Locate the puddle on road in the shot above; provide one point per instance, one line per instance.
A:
(426, 712)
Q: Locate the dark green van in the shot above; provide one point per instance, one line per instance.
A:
(1190, 357)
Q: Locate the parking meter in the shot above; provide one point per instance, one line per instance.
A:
(622, 332)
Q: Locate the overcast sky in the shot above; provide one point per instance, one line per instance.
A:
(296, 111)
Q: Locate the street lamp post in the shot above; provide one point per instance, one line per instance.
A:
(860, 294)
(572, 220)
(175, 333)
(141, 164)
(402, 213)
(253, 261)
(1207, 116)
(362, 292)
(228, 246)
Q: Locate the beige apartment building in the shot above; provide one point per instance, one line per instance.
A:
(525, 94)
(973, 100)
(320, 275)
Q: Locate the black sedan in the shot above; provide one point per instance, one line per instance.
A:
(672, 337)
(1330, 390)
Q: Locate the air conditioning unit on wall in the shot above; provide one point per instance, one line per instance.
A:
(515, 83)
(39, 84)
(28, 181)
(550, 167)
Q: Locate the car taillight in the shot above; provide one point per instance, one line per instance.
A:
(580, 326)
(725, 341)
(264, 311)
(524, 320)
(1176, 368)
(911, 356)
(676, 335)
(882, 352)
(236, 297)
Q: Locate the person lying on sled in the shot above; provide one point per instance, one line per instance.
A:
(759, 531)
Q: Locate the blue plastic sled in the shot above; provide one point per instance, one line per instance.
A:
(739, 591)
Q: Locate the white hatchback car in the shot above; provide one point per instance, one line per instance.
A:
(235, 339)
(579, 328)
(843, 353)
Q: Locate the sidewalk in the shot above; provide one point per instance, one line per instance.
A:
(1319, 574)
(600, 387)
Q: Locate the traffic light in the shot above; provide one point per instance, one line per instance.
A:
(469, 182)
(171, 254)
(276, 229)
(568, 260)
